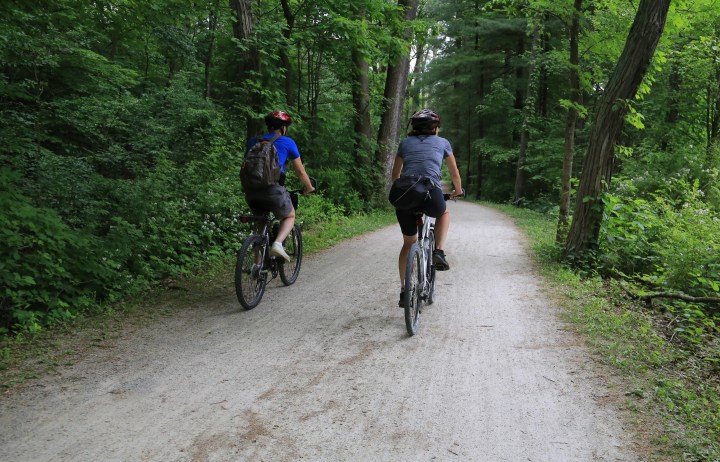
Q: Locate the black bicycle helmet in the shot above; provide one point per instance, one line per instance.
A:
(425, 120)
(277, 119)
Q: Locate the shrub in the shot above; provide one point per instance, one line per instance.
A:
(48, 272)
(671, 239)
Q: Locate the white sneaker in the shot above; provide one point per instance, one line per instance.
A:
(277, 250)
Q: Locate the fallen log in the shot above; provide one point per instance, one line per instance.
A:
(679, 296)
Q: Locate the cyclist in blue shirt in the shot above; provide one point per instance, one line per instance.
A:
(422, 153)
(276, 198)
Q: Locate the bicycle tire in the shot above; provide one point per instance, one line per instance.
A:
(294, 247)
(413, 290)
(250, 277)
(431, 268)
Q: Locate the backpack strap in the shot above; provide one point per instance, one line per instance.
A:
(273, 139)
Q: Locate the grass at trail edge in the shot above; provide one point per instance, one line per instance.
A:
(672, 398)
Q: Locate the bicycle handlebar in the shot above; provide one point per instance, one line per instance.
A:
(449, 196)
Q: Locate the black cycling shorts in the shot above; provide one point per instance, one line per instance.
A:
(434, 206)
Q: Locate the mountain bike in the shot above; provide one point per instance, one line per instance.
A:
(255, 267)
(420, 271)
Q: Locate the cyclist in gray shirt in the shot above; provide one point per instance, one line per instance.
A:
(422, 153)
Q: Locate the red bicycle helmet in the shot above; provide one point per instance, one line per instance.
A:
(278, 119)
(425, 119)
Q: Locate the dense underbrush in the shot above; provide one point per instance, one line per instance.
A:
(147, 231)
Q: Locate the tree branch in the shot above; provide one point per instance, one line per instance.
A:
(679, 296)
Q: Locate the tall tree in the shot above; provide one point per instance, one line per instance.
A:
(394, 95)
(361, 104)
(597, 168)
(713, 111)
(284, 55)
(528, 107)
(362, 148)
(207, 62)
(248, 61)
(570, 122)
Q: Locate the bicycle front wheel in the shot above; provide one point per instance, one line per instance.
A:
(250, 276)
(293, 246)
(413, 290)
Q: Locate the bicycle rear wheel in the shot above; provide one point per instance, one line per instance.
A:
(413, 290)
(431, 268)
(293, 246)
(250, 276)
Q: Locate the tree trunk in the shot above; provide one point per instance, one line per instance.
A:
(596, 174)
(480, 135)
(284, 56)
(249, 62)
(394, 97)
(673, 105)
(714, 132)
(528, 106)
(212, 27)
(575, 101)
(417, 100)
(361, 106)
(713, 102)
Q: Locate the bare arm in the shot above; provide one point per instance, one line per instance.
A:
(303, 176)
(455, 175)
(397, 168)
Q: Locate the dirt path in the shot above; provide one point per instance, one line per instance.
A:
(324, 370)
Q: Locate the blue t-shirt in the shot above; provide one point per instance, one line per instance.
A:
(286, 148)
(424, 155)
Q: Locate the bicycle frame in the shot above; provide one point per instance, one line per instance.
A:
(264, 223)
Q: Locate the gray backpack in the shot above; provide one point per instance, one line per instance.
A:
(261, 167)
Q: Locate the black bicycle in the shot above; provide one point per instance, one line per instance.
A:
(420, 272)
(255, 267)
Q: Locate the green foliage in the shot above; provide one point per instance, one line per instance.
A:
(670, 240)
(49, 272)
(119, 156)
(316, 209)
(668, 243)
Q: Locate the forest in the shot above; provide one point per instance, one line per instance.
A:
(124, 123)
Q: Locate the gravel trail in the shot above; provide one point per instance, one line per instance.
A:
(325, 371)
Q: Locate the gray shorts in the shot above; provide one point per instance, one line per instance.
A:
(275, 199)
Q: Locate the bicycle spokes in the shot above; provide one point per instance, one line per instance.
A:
(250, 276)
(413, 290)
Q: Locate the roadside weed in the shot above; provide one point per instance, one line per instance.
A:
(667, 355)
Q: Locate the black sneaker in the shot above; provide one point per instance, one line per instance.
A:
(401, 303)
(439, 260)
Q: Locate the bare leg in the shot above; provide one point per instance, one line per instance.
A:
(442, 223)
(408, 241)
(286, 225)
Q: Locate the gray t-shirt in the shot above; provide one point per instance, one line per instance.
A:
(424, 155)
